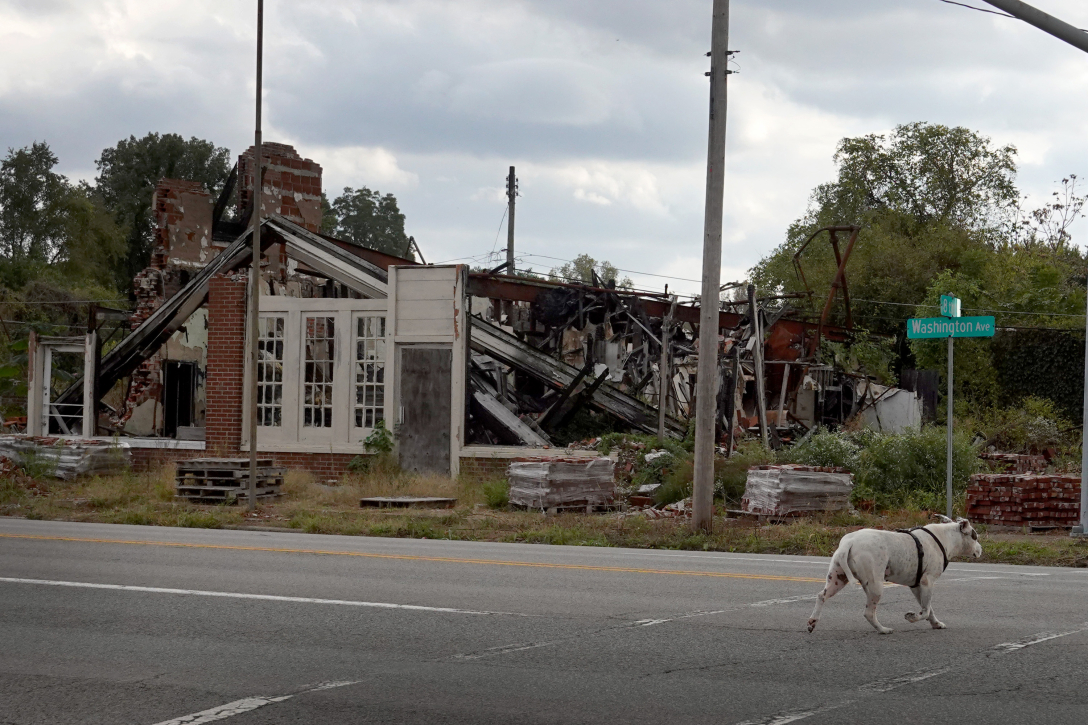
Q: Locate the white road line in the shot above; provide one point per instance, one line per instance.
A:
(264, 597)
(245, 705)
(1006, 647)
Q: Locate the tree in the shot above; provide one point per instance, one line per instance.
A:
(49, 227)
(371, 220)
(128, 174)
(929, 172)
(33, 200)
(582, 269)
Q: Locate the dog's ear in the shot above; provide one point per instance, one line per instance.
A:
(943, 519)
(965, 525)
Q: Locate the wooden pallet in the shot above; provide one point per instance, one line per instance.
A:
(424, 502)
(584, 507)
(225, 480)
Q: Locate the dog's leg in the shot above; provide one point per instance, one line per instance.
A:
(873, 589)
(836, 580)
(924, 595)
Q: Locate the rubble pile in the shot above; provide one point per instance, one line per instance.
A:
(1017, 462)
(64, 458)
(791, 489)
(562, 483)
(1024, 499)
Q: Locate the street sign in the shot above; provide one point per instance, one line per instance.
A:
(932, 327)
(950, 306)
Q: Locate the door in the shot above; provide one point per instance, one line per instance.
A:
(426, 379)
(177, 397)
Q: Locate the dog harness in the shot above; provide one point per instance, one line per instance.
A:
(921, 554)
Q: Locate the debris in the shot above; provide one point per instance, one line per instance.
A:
(1016, 462)
(649, 488)
(654, 455)
(63, 458)
(562, 483)
(791, 489)
(408, 502)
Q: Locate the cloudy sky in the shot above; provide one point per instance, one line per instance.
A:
(601, 105)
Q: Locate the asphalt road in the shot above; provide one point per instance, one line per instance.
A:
(142, 625)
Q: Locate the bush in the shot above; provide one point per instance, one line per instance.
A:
(909, 468)
(824, 448)
(1029, 427)
(731, 474)
(496, 493)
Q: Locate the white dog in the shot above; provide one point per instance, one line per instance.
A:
(914, 558)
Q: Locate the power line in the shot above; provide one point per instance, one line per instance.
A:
(991, 12)
(981, 10)
(59, 302)
(974, 309)
(618, 269)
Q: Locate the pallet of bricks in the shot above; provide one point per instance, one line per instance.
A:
(1033, 500)
(562, 483)
(225, 480)
(793, 490)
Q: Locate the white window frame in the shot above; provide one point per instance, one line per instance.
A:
(292, 435)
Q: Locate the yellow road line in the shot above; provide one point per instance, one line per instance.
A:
(408, 557)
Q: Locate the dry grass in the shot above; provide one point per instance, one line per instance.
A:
(310, 506)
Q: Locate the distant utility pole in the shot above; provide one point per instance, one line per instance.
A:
(255, 271)
(1078, 39)
(709, 307)
(511, 195)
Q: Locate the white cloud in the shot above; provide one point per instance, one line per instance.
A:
(357, 166)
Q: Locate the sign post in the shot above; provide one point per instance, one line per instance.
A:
(950, 325)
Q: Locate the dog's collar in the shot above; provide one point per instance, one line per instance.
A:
(921, 553)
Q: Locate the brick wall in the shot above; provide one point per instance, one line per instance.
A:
(183, 223)
(291, 188)
(226, 364)
(484, 469)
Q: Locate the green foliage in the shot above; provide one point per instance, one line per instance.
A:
(587, 270)
(584, 424)
(50, 228)
(496, 493)
(36, 464)
(731, 474)
(1027, 427)
(128, 174)
(824, 448)
(1041, 364)
(910, 466)
(370, 220)
(866, 354)
(380, 439)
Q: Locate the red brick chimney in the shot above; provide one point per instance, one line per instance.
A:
(292, 185)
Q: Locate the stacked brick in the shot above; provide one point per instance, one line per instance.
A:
(1024, 499)
(793, 490)
(1017, 462)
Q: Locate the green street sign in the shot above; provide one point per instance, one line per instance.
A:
(931, 327)
(950, 306)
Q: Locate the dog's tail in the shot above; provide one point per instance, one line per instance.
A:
(841, 559)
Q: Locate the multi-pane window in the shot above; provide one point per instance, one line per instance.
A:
(270, 372)
(369, 371)
(318, 375)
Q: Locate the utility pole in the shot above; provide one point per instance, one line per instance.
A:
(1078, 39)
(709, 306)
(255, 270)
(511, 195)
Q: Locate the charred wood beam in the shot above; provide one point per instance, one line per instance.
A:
(491, 340)
(518, 289)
